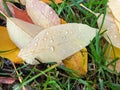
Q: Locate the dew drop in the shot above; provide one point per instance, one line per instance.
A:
(51, 48)
(51, 12)
(44, 39)
(115, 36)
(32, 51)
(66, 32)
(36, 44)
(37, 40)
(47, 33)
(51, 40)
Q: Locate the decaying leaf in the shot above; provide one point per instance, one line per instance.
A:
(78, 62)
(57, 43)
(112, 34)
(21, 32)
(114, 5)
(7, 44)
(41, 13)
(114, 52)
(7, 80)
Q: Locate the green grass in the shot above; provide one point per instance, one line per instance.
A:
(48, 77)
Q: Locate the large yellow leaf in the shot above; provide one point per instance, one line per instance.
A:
(6, 44)
(78, 62)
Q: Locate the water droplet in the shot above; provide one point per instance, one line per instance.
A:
(47, 33)
(36, 44)
(80, 46)
(66, 32)
(44, 39)
(32, 51)
(51, 40)
(37, 40)
(51, 48)
(51, 12)
(115, 36)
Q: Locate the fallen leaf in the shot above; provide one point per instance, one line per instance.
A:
(7, 44)
(21, 32)
(7, 80)
(16, 12)
(57, 43)
(114, 5)
(41, 13)
(114, 52)
(56, 1)
(21, 14)
(112, 34)
(78, 62)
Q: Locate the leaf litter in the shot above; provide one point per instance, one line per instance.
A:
(52, 41)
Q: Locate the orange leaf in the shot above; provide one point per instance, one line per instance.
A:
(62, 21)
(21, 14)
(7, 44)
(77, 62)
(56, 1)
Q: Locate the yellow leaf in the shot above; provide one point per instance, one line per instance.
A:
(114, 53)
(78, 62)
(56, 1)
(6, 44)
